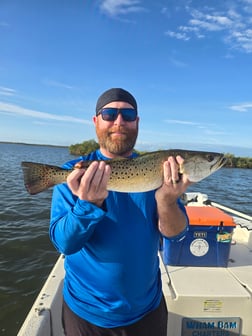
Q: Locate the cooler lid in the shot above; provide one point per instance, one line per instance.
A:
(208, 216)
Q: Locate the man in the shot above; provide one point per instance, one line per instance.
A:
(112, 285)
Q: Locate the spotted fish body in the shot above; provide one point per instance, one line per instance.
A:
(139, 174)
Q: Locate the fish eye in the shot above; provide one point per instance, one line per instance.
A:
(210, 157)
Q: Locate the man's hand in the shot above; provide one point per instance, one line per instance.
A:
(90, 184)
(172, 220)
(174, 184)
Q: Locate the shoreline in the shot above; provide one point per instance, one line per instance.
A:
(30, 144)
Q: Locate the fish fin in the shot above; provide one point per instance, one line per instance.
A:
(36, 177)
(82, 164)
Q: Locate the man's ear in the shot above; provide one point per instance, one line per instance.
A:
(95, 119)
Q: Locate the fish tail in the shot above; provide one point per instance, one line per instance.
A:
(38, 177)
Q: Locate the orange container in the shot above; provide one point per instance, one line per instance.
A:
(210, 216)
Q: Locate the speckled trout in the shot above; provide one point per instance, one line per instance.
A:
(139, 174)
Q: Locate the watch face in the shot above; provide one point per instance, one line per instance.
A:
(199, 247)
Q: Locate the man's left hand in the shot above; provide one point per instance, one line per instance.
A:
(175, 184)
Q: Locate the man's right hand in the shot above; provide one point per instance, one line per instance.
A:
(90, 184)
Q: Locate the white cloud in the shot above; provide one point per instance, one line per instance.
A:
(21, 111)
(244, 107)
(4, 91)
(181, 122)
(194, 30)
(207, 128)
(234, 25)
(178, 63)
(241, 39)
(50, 82)
(178, 35)
(207, 25)
(117, 7)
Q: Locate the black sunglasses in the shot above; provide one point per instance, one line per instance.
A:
(111, 113)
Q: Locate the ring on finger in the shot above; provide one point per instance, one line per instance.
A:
(175, 181)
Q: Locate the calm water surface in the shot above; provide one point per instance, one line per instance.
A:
(26, 253)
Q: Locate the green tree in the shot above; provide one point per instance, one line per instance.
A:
(238, 162)
(83, 148)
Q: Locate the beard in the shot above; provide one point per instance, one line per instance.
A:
(121, 145)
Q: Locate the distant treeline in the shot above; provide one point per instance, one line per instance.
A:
(91, 145)
(83, 148)
(238, 162)
(86, 147)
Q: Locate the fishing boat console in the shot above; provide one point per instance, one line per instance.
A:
(207, 279)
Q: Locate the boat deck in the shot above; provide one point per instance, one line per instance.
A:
(212, 301)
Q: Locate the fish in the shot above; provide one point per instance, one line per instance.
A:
(140, 174)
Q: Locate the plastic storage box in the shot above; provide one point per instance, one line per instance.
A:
(207, 242)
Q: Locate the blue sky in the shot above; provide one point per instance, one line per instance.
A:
(188, 63)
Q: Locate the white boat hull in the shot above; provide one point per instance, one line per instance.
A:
(44, 318)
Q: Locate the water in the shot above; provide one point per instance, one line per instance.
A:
(26, 253)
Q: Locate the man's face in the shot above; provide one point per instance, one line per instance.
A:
(118, 137)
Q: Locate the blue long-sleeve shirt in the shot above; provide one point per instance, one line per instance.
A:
(112, 266)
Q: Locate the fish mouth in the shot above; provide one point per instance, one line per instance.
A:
(223, 161)
(219, 163)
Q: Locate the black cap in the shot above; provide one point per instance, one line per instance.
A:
(115, 94)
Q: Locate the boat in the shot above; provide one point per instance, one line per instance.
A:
(210, 298)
